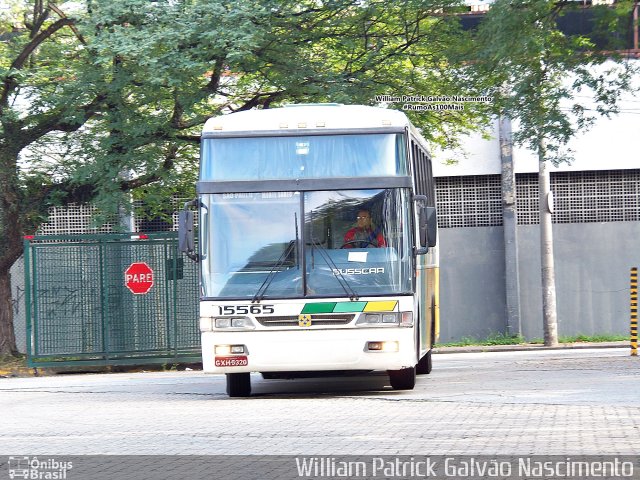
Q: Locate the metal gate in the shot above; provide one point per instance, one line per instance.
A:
(110, 299)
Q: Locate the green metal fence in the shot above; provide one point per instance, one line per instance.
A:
(82, 309)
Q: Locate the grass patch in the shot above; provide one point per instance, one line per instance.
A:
(504, 339)
(493, 339)
(594, 338)
(580, 338)
(8, 362)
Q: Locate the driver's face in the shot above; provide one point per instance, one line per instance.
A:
(363, 219)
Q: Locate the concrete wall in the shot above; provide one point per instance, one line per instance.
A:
(19, 307)
(592, 279)
(472, 290)
(592, 276)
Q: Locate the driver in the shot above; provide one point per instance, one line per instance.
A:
(364, 235)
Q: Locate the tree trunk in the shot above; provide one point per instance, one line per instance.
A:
(546, 251)
(7, 334)
(11, 231)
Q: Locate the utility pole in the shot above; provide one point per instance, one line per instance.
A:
(550, 320)
(510, 227)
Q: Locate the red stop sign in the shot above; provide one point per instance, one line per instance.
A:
(138, 278)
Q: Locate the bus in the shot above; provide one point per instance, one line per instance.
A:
(317, 244)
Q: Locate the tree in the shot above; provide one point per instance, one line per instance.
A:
(106, 98)
(537, 75)
(25, 78)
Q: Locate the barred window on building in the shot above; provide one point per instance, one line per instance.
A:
(469, 201)
(580, 197)
(73, 219)
(76, 219)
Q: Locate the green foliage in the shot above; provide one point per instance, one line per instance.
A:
(114, 99)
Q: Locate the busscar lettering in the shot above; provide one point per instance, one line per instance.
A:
(358, 271)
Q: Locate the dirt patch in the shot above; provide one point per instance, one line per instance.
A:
(11, 366)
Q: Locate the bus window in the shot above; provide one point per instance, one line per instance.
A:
(368, 267)
(250, 240)
(319, 156)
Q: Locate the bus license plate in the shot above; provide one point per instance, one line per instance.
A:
(237, 361)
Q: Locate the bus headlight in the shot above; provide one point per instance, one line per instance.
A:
(208, 324)
(235, 323)
(372, 318)
(369, 319)
(389, 318)
(241, 322)
(223, 322)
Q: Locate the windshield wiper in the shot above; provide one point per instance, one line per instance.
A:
(276, 266)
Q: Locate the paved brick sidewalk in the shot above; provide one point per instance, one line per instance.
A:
(529, 402)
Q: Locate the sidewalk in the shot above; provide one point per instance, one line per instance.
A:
(529, 346)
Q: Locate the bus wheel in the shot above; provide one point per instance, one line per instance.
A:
(404, 379)
(424, 365)
(238, 384)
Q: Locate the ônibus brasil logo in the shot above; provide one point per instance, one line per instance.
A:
(38, 469)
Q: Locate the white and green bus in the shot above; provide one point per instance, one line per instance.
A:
(294, 276)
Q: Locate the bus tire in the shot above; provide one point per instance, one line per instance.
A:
(424, 366)
(238, 384)
(404, 379)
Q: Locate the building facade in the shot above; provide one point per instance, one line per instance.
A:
(490, 267)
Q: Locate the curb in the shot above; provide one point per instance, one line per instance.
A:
(529, 347)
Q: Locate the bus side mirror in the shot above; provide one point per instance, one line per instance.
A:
(186, 239)
(432, 226)
(427, 225)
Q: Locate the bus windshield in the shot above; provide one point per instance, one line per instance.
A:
(306, 244)
(312, 156)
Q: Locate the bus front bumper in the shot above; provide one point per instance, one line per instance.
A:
(309, 350)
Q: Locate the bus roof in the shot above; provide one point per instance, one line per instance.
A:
(307, 116)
